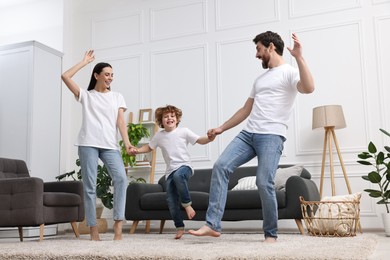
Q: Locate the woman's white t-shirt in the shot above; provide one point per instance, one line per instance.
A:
(174, 147)
(100, 113)
(274, 94)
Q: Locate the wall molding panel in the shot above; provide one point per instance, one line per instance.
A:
(178, 20)
(301, 8)
(113, 30)
(232, 14)
(382, 25)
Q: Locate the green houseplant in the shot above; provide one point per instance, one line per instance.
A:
(381, 174)
(380, 161)
(136, 132)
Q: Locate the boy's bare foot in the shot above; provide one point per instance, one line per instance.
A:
(205, 231)
(270, 240)
(190, 212)
(118, 229)
(179, 233)
(94, 232)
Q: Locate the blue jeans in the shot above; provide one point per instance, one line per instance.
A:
(245, 146)
(89, 159)
(178, 194)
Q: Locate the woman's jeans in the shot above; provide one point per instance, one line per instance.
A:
(89, 157)
(178, 194)
(245, 146)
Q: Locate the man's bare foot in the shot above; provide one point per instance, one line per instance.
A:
(179, 233)
(205, 231)
(118, 229)
(190, 212)
(94, 232)
(270, 240)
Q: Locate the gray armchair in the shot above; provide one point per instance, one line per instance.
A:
(27, 201)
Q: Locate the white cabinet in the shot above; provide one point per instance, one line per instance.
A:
(30, 106)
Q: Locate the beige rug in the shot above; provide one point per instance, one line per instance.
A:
(163, 246)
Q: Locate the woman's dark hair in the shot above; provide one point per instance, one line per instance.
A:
(267, 37)
(97, 69)
(159, 113)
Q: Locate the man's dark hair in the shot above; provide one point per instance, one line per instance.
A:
(267, 37)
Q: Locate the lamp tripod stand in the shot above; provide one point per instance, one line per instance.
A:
(330, 137)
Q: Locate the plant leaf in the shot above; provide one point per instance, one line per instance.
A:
(374, 177)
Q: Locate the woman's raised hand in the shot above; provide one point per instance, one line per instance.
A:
(89, 56)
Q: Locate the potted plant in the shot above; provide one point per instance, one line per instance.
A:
(136, 132)
(380, 175)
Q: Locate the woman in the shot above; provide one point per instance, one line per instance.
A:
(103, 114)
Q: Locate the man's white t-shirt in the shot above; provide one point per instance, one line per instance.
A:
(274, 94)
(174, 147)
(100, 113)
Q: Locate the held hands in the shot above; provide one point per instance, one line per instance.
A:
(212, 133)
(296, 51)
(89, 56)
(133, 151)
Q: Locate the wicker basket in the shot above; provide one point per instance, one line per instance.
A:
(331, 218)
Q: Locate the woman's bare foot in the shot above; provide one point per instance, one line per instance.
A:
(118, 229)
(94, 232)
(270, 240)
(190, 212)
(179, 233)
(205, 231)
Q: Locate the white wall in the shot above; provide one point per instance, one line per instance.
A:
(199, 55)
(27, 20)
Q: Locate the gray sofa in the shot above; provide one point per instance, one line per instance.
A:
(148, 201)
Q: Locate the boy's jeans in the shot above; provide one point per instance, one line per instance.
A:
(178, 194)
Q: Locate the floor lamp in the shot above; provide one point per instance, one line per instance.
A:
(330, 118)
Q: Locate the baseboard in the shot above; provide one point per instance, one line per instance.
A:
(28, 232)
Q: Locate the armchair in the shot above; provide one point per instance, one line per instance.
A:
(28, 201)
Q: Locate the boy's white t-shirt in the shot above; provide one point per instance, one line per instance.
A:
(100, 113)
(274, 95)
(174, 147)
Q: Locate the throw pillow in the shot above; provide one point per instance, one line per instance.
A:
(282, 174)
(336, 214)
(246, 183)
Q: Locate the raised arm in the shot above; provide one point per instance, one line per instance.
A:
(306, 82)
(67, 75)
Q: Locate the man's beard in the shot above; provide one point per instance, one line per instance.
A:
(265, 62)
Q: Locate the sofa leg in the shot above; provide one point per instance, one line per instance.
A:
(75, 229)
(134, 226)
(300, 226)
(20, 229)
(147, 227)
(162, 223)
(41, 231)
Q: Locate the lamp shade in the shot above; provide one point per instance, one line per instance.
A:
(328, 116)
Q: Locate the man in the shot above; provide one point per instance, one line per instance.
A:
(269, 107)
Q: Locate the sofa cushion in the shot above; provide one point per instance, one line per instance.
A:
(158, 201)
(250, 199)
(58, 199)
(282, 174)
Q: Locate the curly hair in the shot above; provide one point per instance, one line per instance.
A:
(267, 37)
(158, 115)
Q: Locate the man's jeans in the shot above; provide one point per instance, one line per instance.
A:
(178, 194)
(245, 146)
(89, 157)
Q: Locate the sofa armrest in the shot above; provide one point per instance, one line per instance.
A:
(133, 195)
(21, 202)
(64, 186)
(297, 186)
